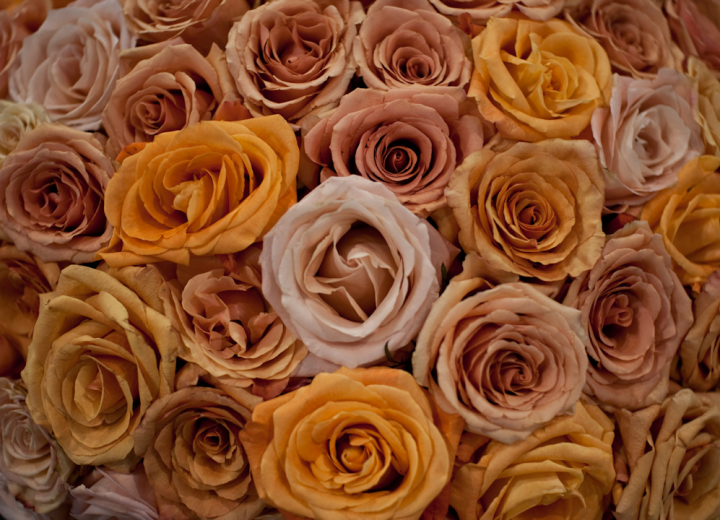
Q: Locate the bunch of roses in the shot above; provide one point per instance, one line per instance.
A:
(365, 260)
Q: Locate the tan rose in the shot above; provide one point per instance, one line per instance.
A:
(16, 23)
(708, 110)
(15, 121)
(564, 470)
(685, 216)
(405, 43)
(294, 57)
(102, 352)
(482, 10)
(570, 78)
(361, 444)
(109, 494)
(533, 210)
(668, 460)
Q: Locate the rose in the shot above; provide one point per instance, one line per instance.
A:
(15, 121)
(169, 89)
(212, 188)
(408, 140)
(667, 465)
(192, 453)
(646, 136)
(351, 272)
(362, 444)
(52, 193)
(36, 468)
(707, 114)
(533, 209)
(86, 38)
(102, 352)
(695, 28)
(294, 57)
(564, 470)
(575, 70)
(484, 9)
(685, 217)
(11, 508)
(636, 313)
(15, 25)
(108, 494)
(405, 43)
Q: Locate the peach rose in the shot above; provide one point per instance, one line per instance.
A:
(707, 114)
(685, 216)
(52, 194)
(533, 209)
(646, 135)
(294, 57)
(571, 78)
(507, 359)
(190, 441)
(171, 88)
(212, 188)
(351, 272)
(102, 352)
(696, 28)
(86, 39)
(16, 23)
(482, 10)
(405, 43)
(564, 470)
(15, 121)
(668, 459)
(361, 444)
(636, 313)
(106, 494)
(409, 141)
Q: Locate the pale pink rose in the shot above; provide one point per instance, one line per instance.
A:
(352, 272)
(482, 10)
(52, 191)
(15, 25)
(646, 135)
(636, 313)
(409, 141)
(106, 494)
(405, 43)
(294, 57)
(695, 24)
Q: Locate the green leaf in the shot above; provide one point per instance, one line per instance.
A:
(388, 355)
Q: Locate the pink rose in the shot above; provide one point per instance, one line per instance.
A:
(52, 191)
(105, 494)
(696, 28)
(636, 313)
(484, 9)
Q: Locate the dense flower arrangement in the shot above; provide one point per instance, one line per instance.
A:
(360, 260)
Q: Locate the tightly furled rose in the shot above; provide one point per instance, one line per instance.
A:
(294, 57)
(570, 78)
(15, 25)
(167, 91)
(86, 39)
(533, 209)
(636, 313)
(351, 272)
(52, 194)
(36, 468)
(707, 114)
(634, 33)
(646, 135)
(15, 121)
(667, 465)
(686, 215)
(361, 444)
(564, 470)
(190, 441)
(106, 494)
(409, 141)
(213, 188)
(405, 43)
(507, 359)
(102, 352)
(482, 10)
(696, 28)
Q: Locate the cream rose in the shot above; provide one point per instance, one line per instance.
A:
(15, 121)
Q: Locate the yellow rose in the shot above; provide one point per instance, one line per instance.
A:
(537, 80)
(212, 188)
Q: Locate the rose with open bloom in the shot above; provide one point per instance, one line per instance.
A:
(361, 444)
(109, 494)
(409, 141)
(636, 313)
(212, 188)
(533, 209)
(294, 57)
(351, 272)
(537, 80)
(695, 24)
(102, 352)
(52, 194)
(405, 43)
(507, 359)
(482, 10)
(564, 470)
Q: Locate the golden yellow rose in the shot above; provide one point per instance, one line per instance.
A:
(537, 80)
(362, 444)
(212, 188)
(687, 217)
